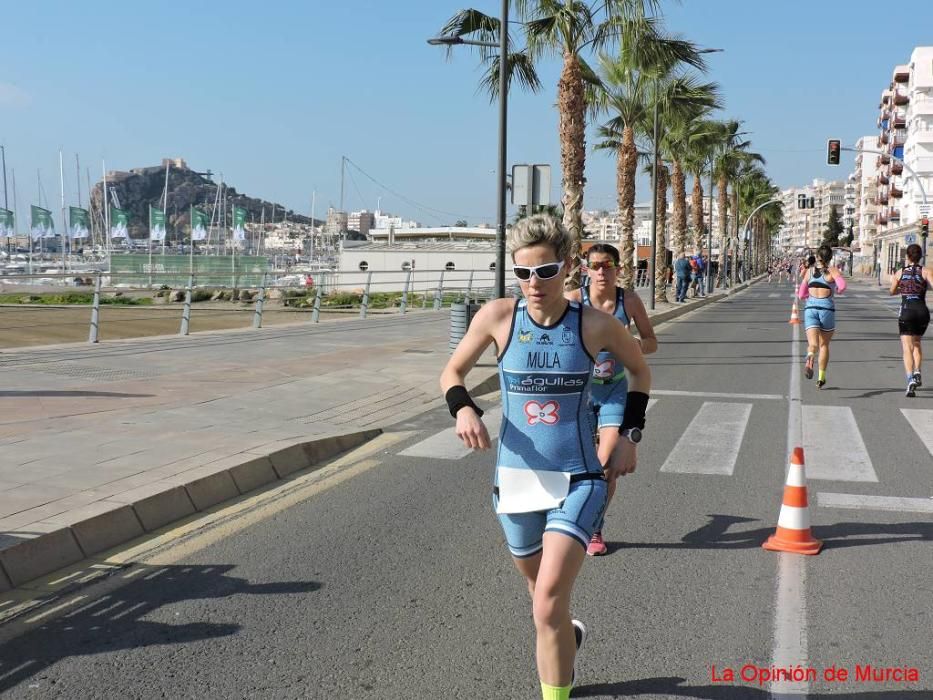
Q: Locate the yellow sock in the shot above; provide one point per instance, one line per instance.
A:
(822, 375)
(552, 692)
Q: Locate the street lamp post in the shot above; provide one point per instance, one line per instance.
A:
(503, 46)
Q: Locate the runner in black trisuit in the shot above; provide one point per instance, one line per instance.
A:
(912, 282)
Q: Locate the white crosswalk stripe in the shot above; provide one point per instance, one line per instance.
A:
(833, 445)
(719, 427)
(773, 295)
(921, 420)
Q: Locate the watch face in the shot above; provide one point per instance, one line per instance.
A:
(634, 434)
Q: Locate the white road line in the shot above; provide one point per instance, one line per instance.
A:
(717, 395)
(833, 445)
(446, 444)
(922, 422)
(859, 501)
(719, 427)
(790, 600)
(773, 295)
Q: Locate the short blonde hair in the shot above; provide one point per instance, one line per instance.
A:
(540, 229)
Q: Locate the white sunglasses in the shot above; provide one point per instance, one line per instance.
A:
(542, 272)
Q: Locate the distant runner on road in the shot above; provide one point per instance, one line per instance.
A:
(550, 488)
(912, 282)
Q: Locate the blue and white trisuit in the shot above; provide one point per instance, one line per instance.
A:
(547, 426)
(610, 383)
(820, 313)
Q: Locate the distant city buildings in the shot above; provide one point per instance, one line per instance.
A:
(804, 228)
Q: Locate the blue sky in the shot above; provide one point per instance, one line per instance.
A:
(273, 93)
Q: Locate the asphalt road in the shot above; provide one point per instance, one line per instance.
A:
(389, 577)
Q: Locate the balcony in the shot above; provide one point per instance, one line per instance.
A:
(883, 179)
(881, 219)
(901, 98)
(900, 137)
(883, 139)
(883, 198)
(901, 74)
(895, 215)
(900, 121)
(897, 168)
(883, 123)
(896, 193)
(884, 158)
(898, 151)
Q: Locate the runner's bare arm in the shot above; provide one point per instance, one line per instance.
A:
(485, 328)
(895, 282)
(646, 337)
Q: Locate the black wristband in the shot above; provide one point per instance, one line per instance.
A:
(636, 404)
(457, 397)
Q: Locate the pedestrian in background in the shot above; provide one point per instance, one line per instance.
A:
(682, 273)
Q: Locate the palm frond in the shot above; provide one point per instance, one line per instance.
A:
(519, 67)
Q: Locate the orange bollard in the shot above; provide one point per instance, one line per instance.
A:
(794, 315)
(793, 529)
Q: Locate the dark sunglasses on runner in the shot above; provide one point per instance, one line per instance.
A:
(601, 265)
(542, 272)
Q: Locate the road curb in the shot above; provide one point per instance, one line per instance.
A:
(109, 523)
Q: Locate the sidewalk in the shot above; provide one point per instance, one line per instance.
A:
(103, 443)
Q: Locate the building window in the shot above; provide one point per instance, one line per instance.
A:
(406, 265)
(492, 266)
(364, 265)
(450, 266)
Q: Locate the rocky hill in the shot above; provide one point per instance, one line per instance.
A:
(140, 187)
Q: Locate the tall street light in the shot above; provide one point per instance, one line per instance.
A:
(503, 115)
(654, 188)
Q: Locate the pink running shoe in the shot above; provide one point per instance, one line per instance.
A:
(597, 547)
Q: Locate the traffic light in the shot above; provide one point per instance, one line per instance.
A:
(833, 150)
(924, 227)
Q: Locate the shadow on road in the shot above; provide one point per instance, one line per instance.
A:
(675, 688)
(118, 620)
(715, 535)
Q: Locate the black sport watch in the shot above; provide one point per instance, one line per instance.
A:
(633, 435)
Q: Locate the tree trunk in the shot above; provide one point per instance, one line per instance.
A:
(571, 105)
(696, 209)
(723, 205)
(626, 169)
(679, 195)
(660, 258)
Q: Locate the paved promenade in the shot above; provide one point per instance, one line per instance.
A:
(101, 444)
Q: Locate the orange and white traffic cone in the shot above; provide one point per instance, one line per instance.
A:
(794, 315)
(793, 529)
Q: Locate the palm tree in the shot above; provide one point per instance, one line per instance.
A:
(753, 188)
(697, 156)
(569, 30)
(626, 92)
(731, 151)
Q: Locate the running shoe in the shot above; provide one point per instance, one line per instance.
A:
(579, 635)
(808, 367)
(918, 380)
(597, 547)
(911, 387)
(820, 383)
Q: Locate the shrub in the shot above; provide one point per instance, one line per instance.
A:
(200, 295)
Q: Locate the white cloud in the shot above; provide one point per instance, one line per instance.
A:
(12, 96)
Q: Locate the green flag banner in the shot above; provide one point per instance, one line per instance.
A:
(239, 223)
(119, 223)
(199, 223)
(42, 225)
(156, 224)
(6, 223)
(79, 222)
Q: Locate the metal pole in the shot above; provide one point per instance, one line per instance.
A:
(404, 305)
(503, 119)
(316, 312)
(3, 156)
(186, 314)
(439, 294)
(95, 312)
(364, 306)
(257, 318)
(469, 289)
(64, 236)
(165, 205)
(654, 201)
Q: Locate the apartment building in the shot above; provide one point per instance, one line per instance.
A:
(804, 228)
